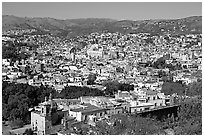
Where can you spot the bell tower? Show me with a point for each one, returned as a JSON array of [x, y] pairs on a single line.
[[48, 117], [47, 114]]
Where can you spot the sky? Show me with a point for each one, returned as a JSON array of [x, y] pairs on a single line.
[[113, 10]]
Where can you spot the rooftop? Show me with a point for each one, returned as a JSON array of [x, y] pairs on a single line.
[[88, 108]]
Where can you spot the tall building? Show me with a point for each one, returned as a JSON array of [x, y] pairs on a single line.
[[73, 54]]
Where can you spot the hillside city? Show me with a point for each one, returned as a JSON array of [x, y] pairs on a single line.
[[97, 83]]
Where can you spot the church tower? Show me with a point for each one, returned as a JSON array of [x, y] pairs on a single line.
[[48, 117], [41, 116]]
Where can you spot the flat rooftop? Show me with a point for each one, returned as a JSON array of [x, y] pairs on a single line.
[[88, 108]]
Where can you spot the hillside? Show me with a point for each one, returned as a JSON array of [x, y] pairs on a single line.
[[74, 27]]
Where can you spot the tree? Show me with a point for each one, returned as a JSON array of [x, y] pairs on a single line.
[[55, 119], [91, 79], [111, 87], [126, 87], [123, 124], [71, 92], [18, 98], [4, 111], [194, 89], [161, 73], [169, 88], [149, 40], [48, 53], [119, 69], [160, 63], [9, 52], [190, 118], [12, 51], [28, 132], [17, 123]]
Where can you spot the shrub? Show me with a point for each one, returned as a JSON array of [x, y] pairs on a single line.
[[28, 132], [18, 123]]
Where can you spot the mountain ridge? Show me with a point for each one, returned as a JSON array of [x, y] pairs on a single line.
[[81, 26]]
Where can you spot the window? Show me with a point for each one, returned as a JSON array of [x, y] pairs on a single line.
[[85, 118], [146, 108], [153, 98], [47, 110]]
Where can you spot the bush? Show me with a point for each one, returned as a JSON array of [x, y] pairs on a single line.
[[55, 119], [190, 118], [18, 123], [28, 132], [169, 88], [195, 89], [18, 98]]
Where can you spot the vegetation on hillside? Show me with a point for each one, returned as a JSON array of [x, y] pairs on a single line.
[[11, 51], [72, 92], [193, 89], [18, 98], [188, 122], [77, 27]]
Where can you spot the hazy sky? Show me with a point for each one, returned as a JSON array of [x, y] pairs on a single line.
[[114, 10]]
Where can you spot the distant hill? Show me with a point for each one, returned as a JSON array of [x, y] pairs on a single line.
[[74, 27]]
